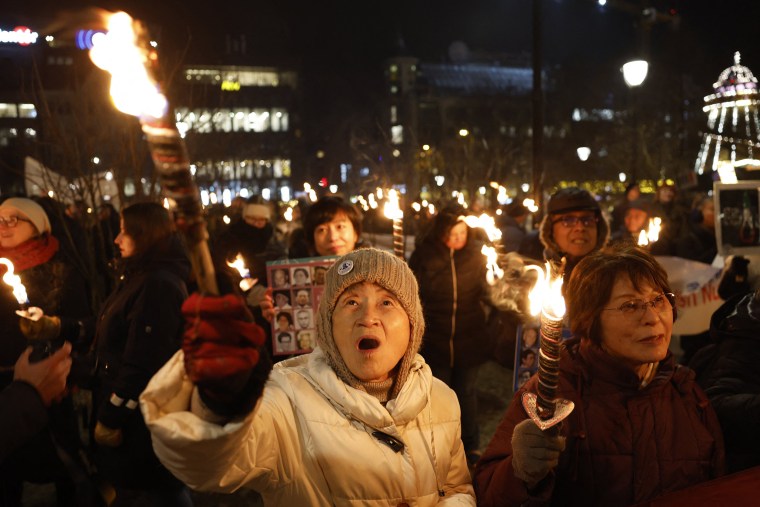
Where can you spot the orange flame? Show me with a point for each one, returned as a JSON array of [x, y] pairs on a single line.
[[391, 209], [133, 90], [546, 295], [14, 281], [239, 264]]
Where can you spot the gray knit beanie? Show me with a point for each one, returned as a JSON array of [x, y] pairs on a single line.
[[389, 272]]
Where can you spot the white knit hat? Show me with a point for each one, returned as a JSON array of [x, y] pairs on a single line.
[[30, 210], [389, 272], [257, 211]]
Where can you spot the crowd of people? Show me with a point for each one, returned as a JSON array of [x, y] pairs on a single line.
[[214, 392]]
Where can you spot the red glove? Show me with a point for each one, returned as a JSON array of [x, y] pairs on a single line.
[[220, 342]]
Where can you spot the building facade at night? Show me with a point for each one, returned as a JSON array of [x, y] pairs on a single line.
[[239, 123]]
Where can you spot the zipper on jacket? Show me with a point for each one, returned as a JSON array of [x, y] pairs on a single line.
[[454, 307]]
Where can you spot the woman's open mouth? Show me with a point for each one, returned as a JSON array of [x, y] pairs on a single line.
[[369, 343]]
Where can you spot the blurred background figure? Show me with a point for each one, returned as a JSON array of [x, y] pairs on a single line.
[[632, 193], [635, 220], [251, 236], [331, 226], [512, 225], [451, 273]]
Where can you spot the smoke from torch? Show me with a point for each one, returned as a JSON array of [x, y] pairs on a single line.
[[124, 52]]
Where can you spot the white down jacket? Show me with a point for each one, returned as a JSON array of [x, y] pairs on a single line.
[[309, 441]]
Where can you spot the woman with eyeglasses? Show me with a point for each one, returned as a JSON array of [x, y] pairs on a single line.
[[641, 426], [55, 285], [572, 228]]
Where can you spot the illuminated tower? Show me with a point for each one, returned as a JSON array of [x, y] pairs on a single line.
[[732, 139]]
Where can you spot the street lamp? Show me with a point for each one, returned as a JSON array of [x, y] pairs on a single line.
[[634, 74]]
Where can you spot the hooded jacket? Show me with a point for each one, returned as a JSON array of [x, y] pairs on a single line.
[[310, 440], [624, 445], [452, 285]]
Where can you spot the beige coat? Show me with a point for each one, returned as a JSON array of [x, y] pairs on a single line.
[[309, 441]]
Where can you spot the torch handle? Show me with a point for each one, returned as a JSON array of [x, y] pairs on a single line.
[[173, 164], [398, 238], [548, 366]]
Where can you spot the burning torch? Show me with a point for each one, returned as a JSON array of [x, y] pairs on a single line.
[[544, 408], [246, 281], [393, 211], [41, 331], [124, 51]]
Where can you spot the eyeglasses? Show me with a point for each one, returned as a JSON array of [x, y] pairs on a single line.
[[635, 308], [571, 221], [12, 221]]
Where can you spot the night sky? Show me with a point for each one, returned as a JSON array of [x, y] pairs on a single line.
[[351, 39]]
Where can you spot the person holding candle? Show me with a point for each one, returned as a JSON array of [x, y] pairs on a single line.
[[451, 272], [53, 283], [641, 426], [358, 421]]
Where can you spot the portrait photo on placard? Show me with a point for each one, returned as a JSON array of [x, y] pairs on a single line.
[[283, 321], [302, 298], [305, 339], [281, 299], [304, 318], [300, 276], [280, 278], [284, 343]]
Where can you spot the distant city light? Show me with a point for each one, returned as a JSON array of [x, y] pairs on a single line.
[[285, 194], [266, 194], [109, 176], [227, 197], [439, 180], [244, 193], [583, 153], [425, 147], [333, 189], [226, 219], [602, 2], [622, 177], [525, 187], [464, 132]]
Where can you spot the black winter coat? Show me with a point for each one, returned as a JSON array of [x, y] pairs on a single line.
[[139, 329], [733, 380], [452, 285], [55, 286], [257, 246]]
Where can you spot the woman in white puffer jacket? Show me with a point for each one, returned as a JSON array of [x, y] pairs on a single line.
[[359, 421]]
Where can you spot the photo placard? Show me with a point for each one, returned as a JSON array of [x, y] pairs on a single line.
[[297, 286]]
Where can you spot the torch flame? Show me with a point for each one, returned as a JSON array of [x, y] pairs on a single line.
[[391, 209], [655, 225], [494, 271], [643, 238], [239, 264], [14, 281], [133, 90], [485, 222], [546, 294]]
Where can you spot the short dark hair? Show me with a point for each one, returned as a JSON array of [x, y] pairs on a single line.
[[302, 270], [149, 225], [592, 280], [286, 315], [324, 210]]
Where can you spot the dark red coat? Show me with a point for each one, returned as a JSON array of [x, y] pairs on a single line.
[[624, 445]]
